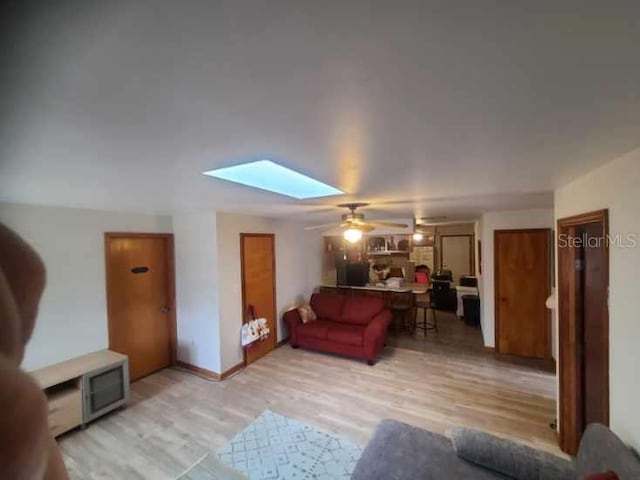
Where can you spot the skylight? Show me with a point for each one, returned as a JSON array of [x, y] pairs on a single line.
[[267, 175]]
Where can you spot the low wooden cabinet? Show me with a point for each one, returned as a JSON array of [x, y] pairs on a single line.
[[65, 410], [67, 386]]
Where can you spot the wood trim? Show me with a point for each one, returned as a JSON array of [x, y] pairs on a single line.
[[210, 374], [569, 372], [584, 218], [171, 283], [275, 297], [496, 293], [136, 235], [568, 380], [231, 371], [472, 242]]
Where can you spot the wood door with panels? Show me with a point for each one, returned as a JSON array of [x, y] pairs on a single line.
[[456, 254], [583, 284], [258, 270], [522, 286], [140, 299]]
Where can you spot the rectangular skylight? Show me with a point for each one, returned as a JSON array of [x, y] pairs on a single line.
[[267, 175]]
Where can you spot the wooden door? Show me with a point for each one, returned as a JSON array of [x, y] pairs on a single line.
[[522, 286], [456, 255], [595, 351], [140, 300], [583, 281], [258, 260]]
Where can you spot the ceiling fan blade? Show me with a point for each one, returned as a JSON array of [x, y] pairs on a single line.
[[326, 226], [388, 224], [424, 228]]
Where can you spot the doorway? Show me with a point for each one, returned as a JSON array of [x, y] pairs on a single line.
[[258, 267], [583, 284], [522, 286], [140, 300], [456, 254]]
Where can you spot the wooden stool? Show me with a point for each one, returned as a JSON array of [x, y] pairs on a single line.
[[401, 306]]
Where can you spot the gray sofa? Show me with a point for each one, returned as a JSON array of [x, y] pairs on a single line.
[[401, 452]]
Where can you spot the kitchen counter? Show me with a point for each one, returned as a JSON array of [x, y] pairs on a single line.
[[383, 291], [406, 287]]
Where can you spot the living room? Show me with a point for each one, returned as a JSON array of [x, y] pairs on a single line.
[[473, 120]]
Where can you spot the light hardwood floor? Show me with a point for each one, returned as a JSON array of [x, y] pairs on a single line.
[[452, 332], [176, 417]]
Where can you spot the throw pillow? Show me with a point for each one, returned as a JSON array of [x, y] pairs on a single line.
[[306, 313], [508, 458], [603, 476]]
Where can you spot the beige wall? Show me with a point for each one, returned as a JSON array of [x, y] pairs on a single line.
[[616, 186], [298, 272], [490, 222], [198, 328], [209, 287], [72, 319]]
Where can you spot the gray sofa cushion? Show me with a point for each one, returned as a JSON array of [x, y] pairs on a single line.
[[398, 451], [601, 450], [509, 458]]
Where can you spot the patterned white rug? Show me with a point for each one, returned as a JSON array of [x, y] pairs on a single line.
[[274, 447]]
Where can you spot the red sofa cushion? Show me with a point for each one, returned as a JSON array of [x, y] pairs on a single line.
[[327, 306], [360, 310], [609, 475], [346, 334], [316, 329]]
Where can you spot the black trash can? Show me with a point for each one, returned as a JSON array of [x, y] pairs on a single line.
[[471, 309]]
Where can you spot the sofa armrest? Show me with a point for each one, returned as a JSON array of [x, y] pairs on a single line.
[[510, 458], [376, 333], [292, 319]]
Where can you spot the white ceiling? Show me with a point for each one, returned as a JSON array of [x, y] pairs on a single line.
[[425, 108]]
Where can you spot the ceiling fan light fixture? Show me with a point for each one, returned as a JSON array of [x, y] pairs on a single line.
[[352, 235]]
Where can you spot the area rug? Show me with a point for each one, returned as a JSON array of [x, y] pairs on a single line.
[[274, 447]]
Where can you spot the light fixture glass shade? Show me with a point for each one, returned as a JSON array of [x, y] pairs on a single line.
[[418, 236], [352, 235]]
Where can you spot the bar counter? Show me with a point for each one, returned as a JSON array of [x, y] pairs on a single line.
[[387, 293], [406, 287]]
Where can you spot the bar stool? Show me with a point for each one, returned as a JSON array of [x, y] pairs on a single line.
[[426, 325], [438, 289], [401, 305]]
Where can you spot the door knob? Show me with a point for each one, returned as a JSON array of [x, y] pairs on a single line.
[[164, 309]]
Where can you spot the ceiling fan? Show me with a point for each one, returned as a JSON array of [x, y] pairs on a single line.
[[354, 223]]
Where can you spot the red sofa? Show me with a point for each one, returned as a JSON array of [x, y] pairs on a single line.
[[351, 326]]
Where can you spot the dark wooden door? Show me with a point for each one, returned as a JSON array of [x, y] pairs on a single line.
[[522, 286], [257, 253], [583, 280], [594, 350], [139, 279]]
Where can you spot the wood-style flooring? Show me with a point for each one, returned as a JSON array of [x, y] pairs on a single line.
[[175, 417], [452, 332]]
